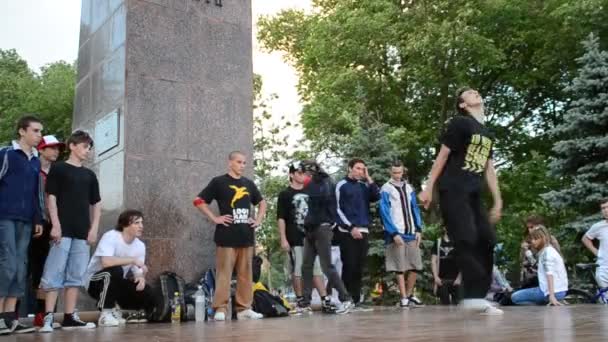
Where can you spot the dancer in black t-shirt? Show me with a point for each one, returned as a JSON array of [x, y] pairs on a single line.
[[464, 160]]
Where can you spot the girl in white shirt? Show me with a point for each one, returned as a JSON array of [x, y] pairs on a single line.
[[552, 276]]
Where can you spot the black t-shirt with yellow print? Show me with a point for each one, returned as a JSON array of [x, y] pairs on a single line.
[[470, 145], [234, 197]]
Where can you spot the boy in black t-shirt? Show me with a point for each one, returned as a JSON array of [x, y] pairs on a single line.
[[234, 234], [292, 208], [73, 193], [446, 276], [464, 160]]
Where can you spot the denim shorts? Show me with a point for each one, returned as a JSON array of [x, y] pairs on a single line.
[[66, 264], [15, 239]]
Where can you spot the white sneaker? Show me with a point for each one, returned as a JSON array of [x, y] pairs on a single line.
[[47, 325], [107, 319], [404, 303], [117, 313], [474, 304], [345, 307], [249, 314], [491, 311], [219, 316]]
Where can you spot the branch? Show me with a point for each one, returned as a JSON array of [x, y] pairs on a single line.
[[522, 115]]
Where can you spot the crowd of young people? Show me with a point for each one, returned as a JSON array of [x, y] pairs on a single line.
[[50, 211]]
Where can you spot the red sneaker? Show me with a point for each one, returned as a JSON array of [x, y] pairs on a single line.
[[39, 319]]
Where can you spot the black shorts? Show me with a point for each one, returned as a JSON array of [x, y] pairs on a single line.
[[39, 250]]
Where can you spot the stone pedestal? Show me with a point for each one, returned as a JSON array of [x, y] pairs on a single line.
[[165, 86]]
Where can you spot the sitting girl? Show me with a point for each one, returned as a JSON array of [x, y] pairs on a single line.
[[552, 276]]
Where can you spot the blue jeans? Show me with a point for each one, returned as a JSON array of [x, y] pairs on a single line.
[[15, 239], [66, 264], [532, 296]]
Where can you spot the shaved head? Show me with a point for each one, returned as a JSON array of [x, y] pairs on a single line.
[[234, 154]]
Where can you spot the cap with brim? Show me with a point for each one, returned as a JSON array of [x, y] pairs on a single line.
[[296, 166], [49, 141]]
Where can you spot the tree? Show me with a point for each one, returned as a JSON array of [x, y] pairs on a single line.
[[401, 61], [269, 150], [17, 83], [48, 94], [582, 151]]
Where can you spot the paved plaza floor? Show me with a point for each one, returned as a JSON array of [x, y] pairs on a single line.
[[432, 323]]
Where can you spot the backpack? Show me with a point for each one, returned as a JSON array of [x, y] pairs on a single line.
[[267, 304], [169, 283]]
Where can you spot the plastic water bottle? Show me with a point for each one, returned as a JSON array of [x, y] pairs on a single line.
[[199, 305], [176, 309]]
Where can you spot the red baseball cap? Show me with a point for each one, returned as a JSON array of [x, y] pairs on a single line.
[[49, 141]]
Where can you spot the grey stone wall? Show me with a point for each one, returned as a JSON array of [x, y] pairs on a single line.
[[179, 72]]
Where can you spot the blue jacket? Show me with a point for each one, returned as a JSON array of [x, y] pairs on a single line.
[[353, 198], [399, 211], [20, 195]]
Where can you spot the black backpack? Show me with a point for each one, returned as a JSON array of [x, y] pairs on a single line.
[[168, 284], [268, 305]]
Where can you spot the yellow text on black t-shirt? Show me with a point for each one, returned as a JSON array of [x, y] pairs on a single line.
[[478, 153]]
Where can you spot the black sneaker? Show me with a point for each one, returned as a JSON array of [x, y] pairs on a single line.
[[4, 329], [73, 322], [19, 328], [137, 317], [328, 307]]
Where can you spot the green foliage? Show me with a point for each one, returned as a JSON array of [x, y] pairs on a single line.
[[582, 150], [401, 62], [48, 94], [269, 150], [391, 68]]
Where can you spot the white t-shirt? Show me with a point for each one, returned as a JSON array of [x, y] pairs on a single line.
[[551, 262], [600, 231], [113, 244]]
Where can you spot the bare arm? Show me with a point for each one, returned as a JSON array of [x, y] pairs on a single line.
[[434, 266], [96, 214], [552, 299], [458, 278], [111, 261], [282, 229], [204, 208], [589, 244], [56, 230], [283, 235], [492, 181], [426, 196], [261, 212], [53, 211]]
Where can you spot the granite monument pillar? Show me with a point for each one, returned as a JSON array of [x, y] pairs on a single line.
[[165, 87]]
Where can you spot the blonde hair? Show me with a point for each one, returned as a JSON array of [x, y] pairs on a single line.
[[540, 232]]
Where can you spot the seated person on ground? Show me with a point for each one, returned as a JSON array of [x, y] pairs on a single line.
[[528, 257], [117, 270], [552, 276]]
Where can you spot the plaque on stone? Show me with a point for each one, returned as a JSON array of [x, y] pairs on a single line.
[[106, 133]]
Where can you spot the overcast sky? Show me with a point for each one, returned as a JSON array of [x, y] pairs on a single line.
[[46, 31]]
